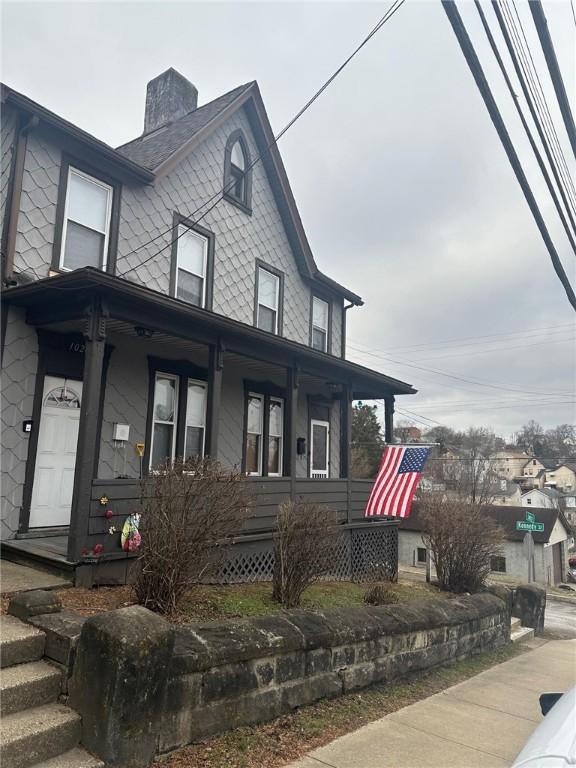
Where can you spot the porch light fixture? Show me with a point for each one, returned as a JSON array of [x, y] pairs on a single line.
[[143, 333]]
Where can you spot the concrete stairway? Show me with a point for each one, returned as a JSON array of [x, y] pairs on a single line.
[[518, 632], [36, 730]]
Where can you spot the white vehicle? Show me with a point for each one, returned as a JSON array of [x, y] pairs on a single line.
[[553, 743]]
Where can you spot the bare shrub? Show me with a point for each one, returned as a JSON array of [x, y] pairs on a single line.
[[462, 538], [304, 549], [190, 511], [380, 594]]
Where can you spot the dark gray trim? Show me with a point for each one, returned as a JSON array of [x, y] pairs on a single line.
[[389, 418], [80, 164], [214, 398], [266, 390], [4, 323], [291, 410], [177, 220], [244, 204], [280, 275], [326, 299], [184, 370], [57, 299], [90, 143]]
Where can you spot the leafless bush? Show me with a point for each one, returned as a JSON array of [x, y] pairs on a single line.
[[462, 538], [380, 594], [190, 511], [304, 549]]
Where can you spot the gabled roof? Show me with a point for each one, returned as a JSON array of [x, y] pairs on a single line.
[[153, 148], [505, 517]]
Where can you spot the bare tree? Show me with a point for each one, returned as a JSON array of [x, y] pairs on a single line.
[[304, 548], [462, 539], [190, 511]]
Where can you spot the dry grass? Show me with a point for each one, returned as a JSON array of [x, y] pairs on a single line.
[[211, 603]]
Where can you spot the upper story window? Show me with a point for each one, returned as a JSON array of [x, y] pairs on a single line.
[[237, 172], [320, 324], [86, 225], [268, 309], [192, 263]]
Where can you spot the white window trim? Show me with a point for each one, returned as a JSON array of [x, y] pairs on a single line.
[[106, 232], [319, 327], [174, 423], [280, 436], [267, 306], [319, 473], [204, 265], [261, 398], [203, 384]]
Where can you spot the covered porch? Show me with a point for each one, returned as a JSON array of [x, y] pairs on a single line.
[[116, 340]]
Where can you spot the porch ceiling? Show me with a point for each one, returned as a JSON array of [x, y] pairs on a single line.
[[60, 303]]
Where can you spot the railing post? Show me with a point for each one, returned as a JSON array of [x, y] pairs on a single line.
[[95, 340]]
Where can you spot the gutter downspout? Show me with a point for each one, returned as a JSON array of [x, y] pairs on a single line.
[[343, 331], [14, 197]]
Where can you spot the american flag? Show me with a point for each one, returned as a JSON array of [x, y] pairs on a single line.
[[400, 470]]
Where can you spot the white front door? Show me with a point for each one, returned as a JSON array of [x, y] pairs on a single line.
[[56, 454], [319, 448]]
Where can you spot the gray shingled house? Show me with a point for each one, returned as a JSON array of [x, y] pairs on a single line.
[[142, 314]]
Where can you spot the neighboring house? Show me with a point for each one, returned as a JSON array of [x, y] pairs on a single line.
[[506, 493], [542, 497], [508, 463], [561, 477], [550, 546], [533, 475], [143, 321]]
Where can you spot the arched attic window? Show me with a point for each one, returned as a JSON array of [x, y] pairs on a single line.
[[237, 172]]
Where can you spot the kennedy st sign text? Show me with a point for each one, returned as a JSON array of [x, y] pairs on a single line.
[[529, 524]]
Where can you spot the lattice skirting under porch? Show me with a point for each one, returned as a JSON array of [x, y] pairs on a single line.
[[363, 553]]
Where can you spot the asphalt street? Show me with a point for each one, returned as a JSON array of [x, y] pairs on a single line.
[[560, 618]]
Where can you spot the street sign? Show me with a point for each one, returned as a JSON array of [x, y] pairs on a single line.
[[529, 524]]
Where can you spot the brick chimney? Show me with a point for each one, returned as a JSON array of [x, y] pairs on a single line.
[[168, 97]]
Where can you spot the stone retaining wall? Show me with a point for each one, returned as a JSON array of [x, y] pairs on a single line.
[[230, 674]]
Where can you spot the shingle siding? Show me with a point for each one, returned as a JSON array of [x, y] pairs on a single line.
[[7, 147], [18, 381], [37, 218]]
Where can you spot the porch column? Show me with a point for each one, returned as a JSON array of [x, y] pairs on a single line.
[[389, 419], [95, 338], [291, 416], [346, 431], [215, 370]]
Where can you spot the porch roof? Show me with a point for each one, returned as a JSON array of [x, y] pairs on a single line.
[[65, 297]]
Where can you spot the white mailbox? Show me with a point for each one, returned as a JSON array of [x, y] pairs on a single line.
[[121, 432]]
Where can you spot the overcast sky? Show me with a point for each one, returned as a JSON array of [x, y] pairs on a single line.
[[403, 187]]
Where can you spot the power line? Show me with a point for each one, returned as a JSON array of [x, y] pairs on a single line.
[[555, 75], [479, 383], [528, 132], [494, 350], [218, 196], [527, 73], [525, 333], [482, 84]]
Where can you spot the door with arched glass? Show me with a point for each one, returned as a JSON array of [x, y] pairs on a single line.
[[56, 453]]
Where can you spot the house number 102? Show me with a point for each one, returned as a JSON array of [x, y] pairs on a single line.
[[76, 346]]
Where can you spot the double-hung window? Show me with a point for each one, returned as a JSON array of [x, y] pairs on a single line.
[[320, 319], [178, 418], [267, 300], [164, 419], [264, 435], [191, 266], [86, 224]]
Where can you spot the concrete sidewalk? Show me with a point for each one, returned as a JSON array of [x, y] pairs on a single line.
[[482, 722]]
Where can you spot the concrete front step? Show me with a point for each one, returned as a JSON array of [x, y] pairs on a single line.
[[521, 634], [38, 734], [19, 642], [75, 758], [28, 685]]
